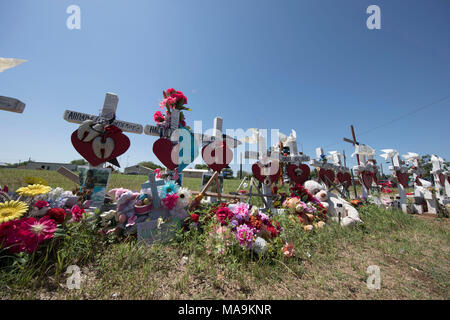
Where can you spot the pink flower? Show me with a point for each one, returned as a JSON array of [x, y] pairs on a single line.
[[12, 235], [170, 201], [42, 229], [244, 234], [41, 204], [223, 213], [33, 232], [159, 117], [241, 211], [158, 173], [288, 250], [77, 213]]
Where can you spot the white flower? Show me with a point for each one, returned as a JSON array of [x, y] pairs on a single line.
[[184, 196], [55, 194], [108, 215], [260, 246]]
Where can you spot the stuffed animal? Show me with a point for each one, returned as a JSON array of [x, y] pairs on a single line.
[[330, 201]]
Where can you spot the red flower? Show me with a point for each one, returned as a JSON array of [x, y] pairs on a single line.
[[77, 213], [223, 213], [36, 231], [159, 117], [5, 189], [26, 234], [112, 129], [170, 91], [40, 204], [195, 217], [274, 189], [13, 236], [57, 214]]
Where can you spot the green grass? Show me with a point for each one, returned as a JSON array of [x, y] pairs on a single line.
[[14, 178]]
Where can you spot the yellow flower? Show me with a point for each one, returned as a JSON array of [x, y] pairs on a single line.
[[11, 210], [33, 190], [35, 180]]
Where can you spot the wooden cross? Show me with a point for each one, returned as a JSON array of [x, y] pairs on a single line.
[[354, 142], [11, 104], [108, 112], [152, 184]]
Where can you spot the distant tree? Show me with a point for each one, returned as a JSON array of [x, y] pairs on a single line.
[[425, 162], [79, 162], [201, 166], [150, 164]]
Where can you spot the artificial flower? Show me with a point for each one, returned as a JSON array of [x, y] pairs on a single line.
[[170, 200], [38, 231], [260, 246], [77, 213], [169, 188], [159, 117], [288, 250], [35, 180], [112, 129], [158, 173], [241, 211], [57, 214], [184, 196], [41, 204], [195, 217], [13, 236], [223, 213], [244, 234], [33, 190], [11, 210]]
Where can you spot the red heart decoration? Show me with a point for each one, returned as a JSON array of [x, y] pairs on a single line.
[[375, 177], [121, 145], [162, 148], [441, 179], [418, 181], [209, 156], [326, 173], [345, 179], [402, 178], [298, 179], [367, 179], [257, 172]]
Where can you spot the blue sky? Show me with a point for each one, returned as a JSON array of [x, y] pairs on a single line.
[[308, 65]]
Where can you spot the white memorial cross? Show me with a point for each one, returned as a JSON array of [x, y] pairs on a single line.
[[11, 104], [108, 112], [420, 191], [365, 153], [152, 184], [437, 170], [393, 155], [262, 155]]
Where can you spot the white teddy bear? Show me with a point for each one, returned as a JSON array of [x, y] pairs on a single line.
[[330, 201]]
